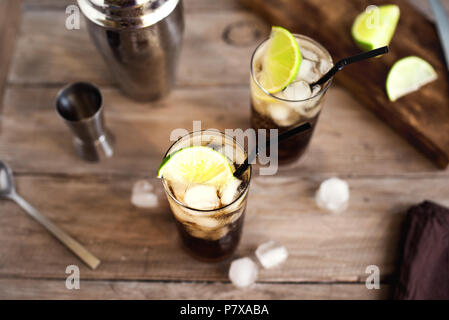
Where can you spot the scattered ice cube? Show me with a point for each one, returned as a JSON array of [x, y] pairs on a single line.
[[142, 186], [229, 192], [333, 195], [202, 197], [243, 272], [142, 195], [282, 114], [271, 254], [299, 90], [325, 66]]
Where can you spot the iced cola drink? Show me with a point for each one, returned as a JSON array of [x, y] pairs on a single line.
[[209, 217], [294, 105]]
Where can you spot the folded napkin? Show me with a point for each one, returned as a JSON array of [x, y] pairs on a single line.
[[424, 271]]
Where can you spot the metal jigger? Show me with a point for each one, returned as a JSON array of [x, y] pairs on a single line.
[[80, 105]]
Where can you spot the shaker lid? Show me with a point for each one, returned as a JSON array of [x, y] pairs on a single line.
[[121, 14]]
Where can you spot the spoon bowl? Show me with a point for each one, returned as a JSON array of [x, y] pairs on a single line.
[[7, 188]]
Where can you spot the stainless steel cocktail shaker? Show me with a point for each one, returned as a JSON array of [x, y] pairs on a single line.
[[140, 41]]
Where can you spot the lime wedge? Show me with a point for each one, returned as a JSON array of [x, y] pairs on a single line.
[[196, 165], [281, 62], [408, 75], [375, 27]]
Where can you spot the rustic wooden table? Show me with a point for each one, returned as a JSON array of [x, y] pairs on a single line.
[[140, 253]]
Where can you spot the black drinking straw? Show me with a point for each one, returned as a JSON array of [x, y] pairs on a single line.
[[283, 136], [343, 62]]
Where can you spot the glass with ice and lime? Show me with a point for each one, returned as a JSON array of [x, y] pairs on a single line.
[[282, 69], [207, 201]]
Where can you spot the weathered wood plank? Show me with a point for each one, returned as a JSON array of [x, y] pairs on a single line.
[[92, 290], [10, 12], [349, 140], [49, 53], [142, 244]]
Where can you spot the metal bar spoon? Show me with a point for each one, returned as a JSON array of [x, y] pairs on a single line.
[[8, 191]]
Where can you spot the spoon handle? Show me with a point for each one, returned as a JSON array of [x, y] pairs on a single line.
[[67, 240]]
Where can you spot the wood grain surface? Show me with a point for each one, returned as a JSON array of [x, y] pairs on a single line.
[[51, 289], [141, 244], [10, 12], [139, 248], [422, 117]]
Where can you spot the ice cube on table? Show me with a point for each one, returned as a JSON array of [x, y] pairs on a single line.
[[142, 195], [333, 195], [228, 192], [243, 272], [271, 254], [308, 71], [202, 197]]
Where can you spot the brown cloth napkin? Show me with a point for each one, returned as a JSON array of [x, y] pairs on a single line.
[[424, 271]]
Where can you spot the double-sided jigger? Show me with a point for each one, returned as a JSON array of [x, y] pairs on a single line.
[[80, 105]]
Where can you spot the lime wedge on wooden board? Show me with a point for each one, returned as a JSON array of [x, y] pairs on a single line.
[[408, 75], [375, 27]]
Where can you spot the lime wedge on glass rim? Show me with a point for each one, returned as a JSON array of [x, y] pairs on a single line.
[[375, 27], [196, 165], [408, 75], [281, 62]]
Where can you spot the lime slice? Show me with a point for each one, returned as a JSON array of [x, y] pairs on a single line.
[[196, 165], [408, 75], [375, 27], [281, 62]]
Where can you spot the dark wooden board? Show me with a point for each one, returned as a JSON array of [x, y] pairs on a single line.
[[422, 117]]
